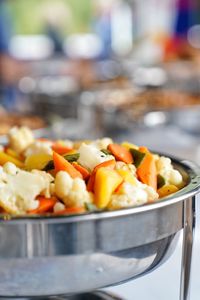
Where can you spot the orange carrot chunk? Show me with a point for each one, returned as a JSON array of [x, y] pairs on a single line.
[[45, 205], [147, 171], [106, 164], [121, 153], [60, 149], [85, 173], [143, 149], [61, 164]]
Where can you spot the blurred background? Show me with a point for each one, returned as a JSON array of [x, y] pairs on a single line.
[[129, 69]]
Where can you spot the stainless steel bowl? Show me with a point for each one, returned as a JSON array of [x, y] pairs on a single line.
[[43, 256]]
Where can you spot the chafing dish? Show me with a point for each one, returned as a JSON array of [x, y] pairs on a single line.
[[46, 256]]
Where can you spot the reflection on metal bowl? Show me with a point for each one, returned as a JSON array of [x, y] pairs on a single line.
[[43, 256]]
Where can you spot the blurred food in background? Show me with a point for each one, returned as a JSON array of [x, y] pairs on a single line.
[[95, 68]]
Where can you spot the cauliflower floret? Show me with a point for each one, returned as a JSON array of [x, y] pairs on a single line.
[[73, 192], [130, 196], [133, 195], [90, 156], [10, 168], [3, 174], [151, 193], [163, 163], [20, 138], [19, 192], [78, 195], [165, 168], [172, 177], [63, 184], [102, 143], [39, 148], [58, 207], [48, 179], [1, 148], [120, 165]]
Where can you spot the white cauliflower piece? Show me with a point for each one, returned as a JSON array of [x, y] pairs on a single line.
[[48, 179], [151, 193], [10, 168], [19, 192], [130, 196], [20, 138], [39, 148], [172, 177], [133, 195], [3, 175], [58, 207], [78, 195], [63, 184], [120, 165], [163, 163], [102, 143], [73, 192], [1, 148], [90, 156], [165, 168]]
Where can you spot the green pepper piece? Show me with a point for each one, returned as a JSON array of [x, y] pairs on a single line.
[[138, 156], [72, 157], [106, 151], [49, 166], [160, 181]]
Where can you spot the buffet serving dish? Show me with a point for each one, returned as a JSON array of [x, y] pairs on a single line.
[[45, 256]]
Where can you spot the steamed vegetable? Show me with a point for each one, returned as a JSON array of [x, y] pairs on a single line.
[[4, 158], [147, 171], [120, 153], [160, 181], [106, 164], [69, 157], [106, 181], [61, 164], [65, 177], [45, 205], [60, 148], [166, 190], [37, 161], [138, 156]]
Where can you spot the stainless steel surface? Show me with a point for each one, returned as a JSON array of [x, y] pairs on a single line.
[[75, 254], [188, 238]]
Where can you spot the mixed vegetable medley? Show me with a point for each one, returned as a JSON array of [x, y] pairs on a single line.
[[40, 176]]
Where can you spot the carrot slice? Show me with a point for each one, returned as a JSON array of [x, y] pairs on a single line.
[[45, 205], [85, 173], [60, 149], [71, 210], [106, 164], [61, 164], [147, 171], [143, 149], [121, 153]]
